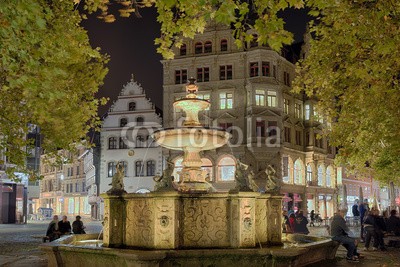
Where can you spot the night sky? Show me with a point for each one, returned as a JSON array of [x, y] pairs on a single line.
[[130, 44]]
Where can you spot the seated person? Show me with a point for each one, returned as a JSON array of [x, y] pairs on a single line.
[[341, 233], [64, 226], [77, 226], [53, 232], [393, 223]]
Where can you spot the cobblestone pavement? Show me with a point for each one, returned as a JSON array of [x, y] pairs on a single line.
[[19, 247], [19, 243]]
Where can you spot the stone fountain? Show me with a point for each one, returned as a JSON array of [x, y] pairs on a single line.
[[187, 222]]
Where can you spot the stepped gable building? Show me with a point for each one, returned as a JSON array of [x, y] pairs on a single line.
[[125, 137], [249, 90]]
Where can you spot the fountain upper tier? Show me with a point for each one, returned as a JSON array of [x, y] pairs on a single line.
[[192, 138]]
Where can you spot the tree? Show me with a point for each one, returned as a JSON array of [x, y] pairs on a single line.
[[49, 75], [353, 69]]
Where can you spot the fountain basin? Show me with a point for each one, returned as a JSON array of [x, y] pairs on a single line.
[[191, 138], [69, 251]]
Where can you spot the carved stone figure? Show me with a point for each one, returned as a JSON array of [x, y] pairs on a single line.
[[165, 182], [273, 184], [117, 183]]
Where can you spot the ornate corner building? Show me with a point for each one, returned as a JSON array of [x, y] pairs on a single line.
[[249, 90]]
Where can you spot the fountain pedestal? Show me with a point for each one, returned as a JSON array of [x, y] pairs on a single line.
[[171, 220]]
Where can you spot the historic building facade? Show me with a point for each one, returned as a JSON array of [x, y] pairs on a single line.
[[249, 90], [126, 138]]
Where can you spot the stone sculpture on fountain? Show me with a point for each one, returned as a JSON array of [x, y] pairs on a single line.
[[117, 183]]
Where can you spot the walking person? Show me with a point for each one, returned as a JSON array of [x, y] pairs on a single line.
[[363, 208], [369, 228], [52, 232], [64, 226], [312, 218], [77, 226], [340, 232], [356, 212]]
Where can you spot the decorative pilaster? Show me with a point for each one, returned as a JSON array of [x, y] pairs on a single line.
[[114, 220], [274, 220]]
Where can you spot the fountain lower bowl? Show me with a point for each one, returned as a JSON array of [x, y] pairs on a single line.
[[73, 251], [191, 138]]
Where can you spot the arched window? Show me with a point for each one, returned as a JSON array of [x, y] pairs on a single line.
[[254, 43], [309, 173], [207, 165], [132, 106], [111, 169], [226, 169], [320, 175], [122, 144], [298, 172], [139, 121], [198, 48], [208, 47], [286, 163], [138, 168], [125, 165], [140, 141], [177, 168], [112, 143], [150, 167], [182, 50], [328, 179], [224, 45], [123, 122]]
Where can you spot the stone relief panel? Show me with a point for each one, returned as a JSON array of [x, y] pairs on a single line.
[[261, 220], [106, 221], [140, 222], [205, 223], [275, 220], [247, 222], [165, 223]]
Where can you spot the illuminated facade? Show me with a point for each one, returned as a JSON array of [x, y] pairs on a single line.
[[249, 91]]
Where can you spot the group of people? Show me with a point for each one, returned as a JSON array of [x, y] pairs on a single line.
[[296, 222], [372, 226], [58, 228]]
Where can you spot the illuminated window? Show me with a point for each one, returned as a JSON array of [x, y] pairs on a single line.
[[307, 112], [265, 69], [271, 99], [198, 48], [297, 110], [309, 173], [208, 47], [203, 74], [112, 143], [320, 175], [286, 106], [253, 69], [111, 169], [225, 100], [180, 76], [225, 72], [260, 97], [131, 106], [226, 169], [298, 172], [182, 50], [329, 176], [224, 45]]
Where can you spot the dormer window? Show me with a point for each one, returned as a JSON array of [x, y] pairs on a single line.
[[208, 47], [224, 45], [182, 50], [132, 106], [198, 48]]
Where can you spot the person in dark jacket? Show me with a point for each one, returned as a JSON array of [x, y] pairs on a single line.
[[363, 208], [77, 226], [379, 228], [300, 224], [312, 217], [369, 228], [354, 209], [64, 226], [53, 232], [341, 233], [393, 223]]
